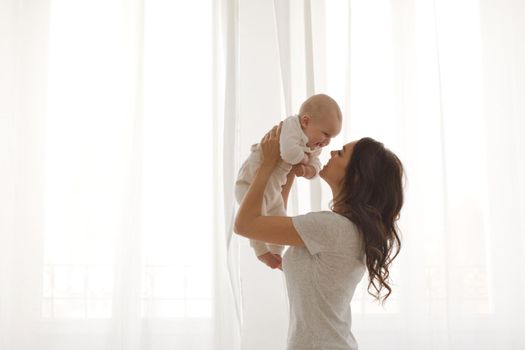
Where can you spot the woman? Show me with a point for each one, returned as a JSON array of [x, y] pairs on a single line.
[[330, 250]]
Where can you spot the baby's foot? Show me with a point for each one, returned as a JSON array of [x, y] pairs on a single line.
[[270, 259]]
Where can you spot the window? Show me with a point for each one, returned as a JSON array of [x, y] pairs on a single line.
[[91, 144]]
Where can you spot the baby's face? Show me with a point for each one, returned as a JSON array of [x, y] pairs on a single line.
[[320, 131]]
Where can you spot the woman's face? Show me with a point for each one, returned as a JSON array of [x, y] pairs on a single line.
[[334, 171]]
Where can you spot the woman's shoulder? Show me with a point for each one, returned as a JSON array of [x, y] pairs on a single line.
[[330, 219], [329, 215], [331, 230]]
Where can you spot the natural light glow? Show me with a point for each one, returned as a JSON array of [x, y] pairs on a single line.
[[89, 132], [177, 203]]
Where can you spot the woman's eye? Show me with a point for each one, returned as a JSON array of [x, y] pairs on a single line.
[[339, 153]]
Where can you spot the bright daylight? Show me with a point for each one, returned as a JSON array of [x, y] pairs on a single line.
[[251, 175]]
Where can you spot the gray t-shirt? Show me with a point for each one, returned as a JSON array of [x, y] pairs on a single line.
[[321, 278]]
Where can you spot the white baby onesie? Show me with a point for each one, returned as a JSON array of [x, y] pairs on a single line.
[[293, 147]]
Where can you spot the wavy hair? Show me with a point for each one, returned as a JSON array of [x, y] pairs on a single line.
[[371, 197]]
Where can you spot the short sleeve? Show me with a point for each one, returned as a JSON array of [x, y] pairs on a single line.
[[315, 232]]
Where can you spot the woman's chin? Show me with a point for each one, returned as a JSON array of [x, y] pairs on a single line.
[[321, 173]]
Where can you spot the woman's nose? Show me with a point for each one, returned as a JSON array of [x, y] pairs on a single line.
[[332, 153]]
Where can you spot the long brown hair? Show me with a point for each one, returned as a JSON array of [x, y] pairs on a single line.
[[371, 197]]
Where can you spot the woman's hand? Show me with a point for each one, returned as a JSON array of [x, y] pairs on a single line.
[[270, 147]]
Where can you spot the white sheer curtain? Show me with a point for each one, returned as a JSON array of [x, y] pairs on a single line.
[[441, 83], [108, 237], [110, 109]]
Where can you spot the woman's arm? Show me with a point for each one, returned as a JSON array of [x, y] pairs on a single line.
[[249, 222]]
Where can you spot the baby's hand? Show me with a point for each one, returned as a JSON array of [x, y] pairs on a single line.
[[306, 171], [306, 159], [272, 260]]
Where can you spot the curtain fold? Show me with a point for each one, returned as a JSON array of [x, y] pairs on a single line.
[[227, 107], [25, 28], [84, 197], [228, 312]]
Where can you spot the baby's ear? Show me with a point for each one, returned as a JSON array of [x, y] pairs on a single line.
[[304, 119]]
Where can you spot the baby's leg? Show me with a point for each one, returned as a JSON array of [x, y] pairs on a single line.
[[277, 210], [241, 188]]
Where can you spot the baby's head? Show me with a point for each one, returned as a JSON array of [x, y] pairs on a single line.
[[320, 119]]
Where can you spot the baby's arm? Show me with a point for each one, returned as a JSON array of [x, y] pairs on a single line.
[[304, 170]]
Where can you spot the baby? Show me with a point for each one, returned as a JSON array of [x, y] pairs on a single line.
[[301, 140]]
